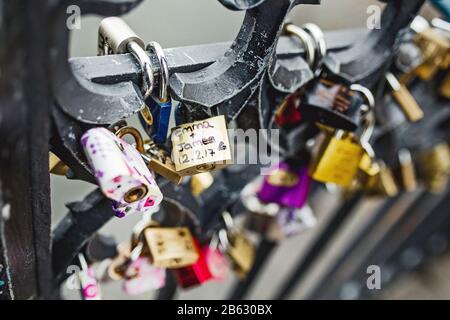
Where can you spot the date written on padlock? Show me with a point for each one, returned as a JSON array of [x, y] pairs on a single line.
[[171, 247], [201, 146]]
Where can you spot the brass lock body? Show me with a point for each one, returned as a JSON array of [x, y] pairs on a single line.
[[241, 252], [201, 146], [434, 167], [171, 247]]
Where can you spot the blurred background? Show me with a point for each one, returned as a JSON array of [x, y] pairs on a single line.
[[175, 23]]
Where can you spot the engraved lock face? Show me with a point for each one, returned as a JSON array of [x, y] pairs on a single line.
[[286, 185], [201, 146], [331, 102], [171, 247], [242, 253], [337, 161]]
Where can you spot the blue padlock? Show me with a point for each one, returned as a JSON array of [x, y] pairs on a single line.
[[161, 106]]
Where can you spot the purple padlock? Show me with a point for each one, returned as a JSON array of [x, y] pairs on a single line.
[[286, 186]]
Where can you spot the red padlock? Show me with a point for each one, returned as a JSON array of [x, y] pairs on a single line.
[[195, 274]]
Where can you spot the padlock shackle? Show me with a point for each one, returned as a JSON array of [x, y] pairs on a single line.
[[135, 134], [156, 48]]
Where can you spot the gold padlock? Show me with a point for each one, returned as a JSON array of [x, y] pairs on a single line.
[[386, 182], [56, 166], [407, 170], [405, 99], [435, 55], [201, 146], [444, 89], [200, 182], [343, 155], [434, 167], [156, 159], [337, 160], [238, 247], [171, 247]]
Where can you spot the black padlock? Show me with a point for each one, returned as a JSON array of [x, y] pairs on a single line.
[[331, 101]]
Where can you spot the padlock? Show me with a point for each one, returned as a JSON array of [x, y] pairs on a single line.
[[261, 218], [90, 289], [171, 247], [56, 166], [201, 146], [120, 171], [384, 183], [195, 274], [337, 160], [286, 186], [404, 98], [340, 156], [116, 37], [407, 170], [217, 262], [238, 247], [444, 89], [435, 55], [293, 221], [141, 276], [200, 182], [434, 167], [288, 113], [331, 102], [161, 106], [156, 158]]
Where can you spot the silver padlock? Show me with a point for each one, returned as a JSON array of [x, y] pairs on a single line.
[[115, 36]]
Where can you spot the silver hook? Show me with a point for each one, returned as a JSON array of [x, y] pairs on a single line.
[[164, 69], [319, 40], [369, 117], [146, 66], [306, 39]]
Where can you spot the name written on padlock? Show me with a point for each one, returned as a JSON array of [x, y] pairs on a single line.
[[201, 146]]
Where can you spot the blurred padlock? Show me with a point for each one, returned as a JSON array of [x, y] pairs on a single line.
[[156, 158], [405, 99], [200, 182], [332, 102], [407, 170], [120, 171], [201, 146], [90, 289], [286, 186], [434, 167], [141, 276], [171, 247], [340, 156], [238, 247], [195, 274]]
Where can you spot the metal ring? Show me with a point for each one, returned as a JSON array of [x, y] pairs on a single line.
[[306, 39], [319, 39], [148, 78], [370, 99], [164, 69]]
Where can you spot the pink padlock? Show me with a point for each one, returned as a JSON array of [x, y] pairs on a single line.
[[141, 276], [121, 172], [217, 262], [90, 289]]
